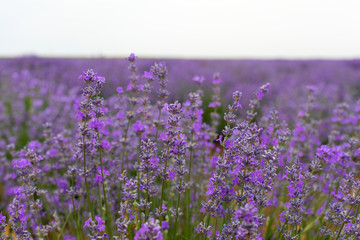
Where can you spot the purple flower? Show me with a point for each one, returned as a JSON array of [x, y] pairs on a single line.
[[22, 163], [34, 145], [154, 160], [260, 95], [165, 225], [199, 79], [119, 90], [89, 76], [105, 144], [172, 175], [101, 79], [216, 79], [100, 224], [69, 237], [98, 179], [262, 91], [87, 223], [214, 104], [131, 58], [148, 76], [139, 128], [2, 218], [150, 230], [129, 87], [96, 125]]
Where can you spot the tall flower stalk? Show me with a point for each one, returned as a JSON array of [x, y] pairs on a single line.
[[85, 115], [159, 72], [133, 88]]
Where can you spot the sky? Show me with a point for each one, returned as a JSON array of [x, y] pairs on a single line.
[[289, 29]]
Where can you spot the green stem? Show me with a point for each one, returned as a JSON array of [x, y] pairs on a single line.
[[282, 229], [101, 202], [163, 180], [357, 211], [63, 227], [76, 217], [124, 146], [216, 226], [157, 128], [138, 181], [107, 214], [188, 191], [78, 231], [147, 196], [86, 183], [191, 156], [207, 224], [177, 213], [342, 226]]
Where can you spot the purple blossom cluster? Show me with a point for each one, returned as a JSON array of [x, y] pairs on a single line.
[[140, 161]]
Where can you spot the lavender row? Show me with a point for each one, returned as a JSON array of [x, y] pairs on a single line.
[[338, 80]]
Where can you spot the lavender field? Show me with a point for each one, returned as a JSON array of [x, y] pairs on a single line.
[[179, 149]]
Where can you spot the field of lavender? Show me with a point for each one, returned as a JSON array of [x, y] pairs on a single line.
[[183, 149]]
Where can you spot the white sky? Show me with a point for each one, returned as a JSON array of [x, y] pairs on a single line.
[[181, 28]]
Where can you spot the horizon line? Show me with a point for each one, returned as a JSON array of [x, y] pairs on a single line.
[[175, 57]]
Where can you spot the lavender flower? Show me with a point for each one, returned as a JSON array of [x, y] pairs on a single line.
[[149, 230]]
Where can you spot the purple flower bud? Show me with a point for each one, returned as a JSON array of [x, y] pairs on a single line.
[[139, 128], [89, 76], [2, 218], [199, 79], [148, 76], [131, 58], [119, 90]]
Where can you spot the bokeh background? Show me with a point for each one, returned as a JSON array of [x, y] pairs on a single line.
[[290, 44]]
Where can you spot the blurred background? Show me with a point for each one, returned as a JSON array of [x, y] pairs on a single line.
[[223, 29], [47, 44]]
